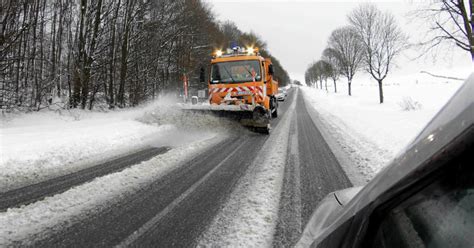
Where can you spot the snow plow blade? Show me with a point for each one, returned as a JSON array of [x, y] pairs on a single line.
[[255, 118]]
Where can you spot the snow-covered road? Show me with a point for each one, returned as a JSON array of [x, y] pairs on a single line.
[[155, 175], [218, 184]]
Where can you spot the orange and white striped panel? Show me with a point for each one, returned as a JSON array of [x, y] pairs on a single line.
[[257, 90]]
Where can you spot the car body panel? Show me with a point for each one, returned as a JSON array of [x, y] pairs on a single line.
[[326, 212], [344, 196]]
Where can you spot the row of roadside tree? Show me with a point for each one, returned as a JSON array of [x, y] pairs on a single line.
[[372, 41], [108, 53]]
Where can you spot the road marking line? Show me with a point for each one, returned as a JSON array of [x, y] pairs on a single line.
[[149, 224]]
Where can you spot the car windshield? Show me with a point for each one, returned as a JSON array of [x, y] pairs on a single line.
[[210, 123], [235, 72]]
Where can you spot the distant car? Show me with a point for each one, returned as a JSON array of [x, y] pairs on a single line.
[[285, 92], [424, 198], [281, 95]]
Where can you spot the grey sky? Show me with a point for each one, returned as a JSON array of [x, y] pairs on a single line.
[[296, 31]]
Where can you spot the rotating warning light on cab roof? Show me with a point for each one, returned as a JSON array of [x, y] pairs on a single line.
[[237, 51]]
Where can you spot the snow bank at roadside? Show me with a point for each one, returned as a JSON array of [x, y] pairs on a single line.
[[249, 217], [18, 226], [42, 145], [372, 134]]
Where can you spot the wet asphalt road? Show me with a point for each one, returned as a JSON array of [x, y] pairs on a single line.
[[174, 210]]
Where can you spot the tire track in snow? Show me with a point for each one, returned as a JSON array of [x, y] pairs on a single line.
[[38, 191], [289, 227], [249, 217], [321, 172], [149, 225]]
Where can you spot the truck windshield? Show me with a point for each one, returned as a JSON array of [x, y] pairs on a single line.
[[236, 72]]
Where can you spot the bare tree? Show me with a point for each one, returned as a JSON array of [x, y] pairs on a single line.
[[230, 31], [312, 75], [317, 72], [382, 40], [334, 71], [307, 79], [451, 22], [346, 46], [324, 72]]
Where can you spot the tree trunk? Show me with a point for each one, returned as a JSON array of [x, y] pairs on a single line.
[[89, 57], [380, 91], [33, 57], [79, 61], [124, 55], [112, 59], [40, 86], [335, 88], [349, 88], [53, 49], [326, 84]]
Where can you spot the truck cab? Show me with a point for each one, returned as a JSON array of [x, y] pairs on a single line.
[[242, 77]]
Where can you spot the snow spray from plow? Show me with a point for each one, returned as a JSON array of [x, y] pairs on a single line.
[[255, 118], [167, 113]]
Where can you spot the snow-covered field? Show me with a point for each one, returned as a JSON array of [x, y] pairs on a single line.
[[42, 145], [372, 134]]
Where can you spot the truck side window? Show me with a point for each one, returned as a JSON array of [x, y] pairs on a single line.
[[440, 215]]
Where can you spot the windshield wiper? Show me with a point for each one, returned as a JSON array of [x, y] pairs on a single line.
[[250, 73], [228, 73]]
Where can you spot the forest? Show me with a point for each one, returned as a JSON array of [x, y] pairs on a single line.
[[108, 53]]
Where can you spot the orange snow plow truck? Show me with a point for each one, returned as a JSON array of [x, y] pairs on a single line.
[[241, 85]]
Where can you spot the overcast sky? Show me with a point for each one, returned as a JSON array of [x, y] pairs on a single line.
[[296, 32]]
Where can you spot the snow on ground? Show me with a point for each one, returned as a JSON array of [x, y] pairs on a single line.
[[372, 134], [42, 145], [249, 217], [19, 226]]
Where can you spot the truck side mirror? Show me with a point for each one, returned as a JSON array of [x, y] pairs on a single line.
[[202, 75], [270, 69]]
